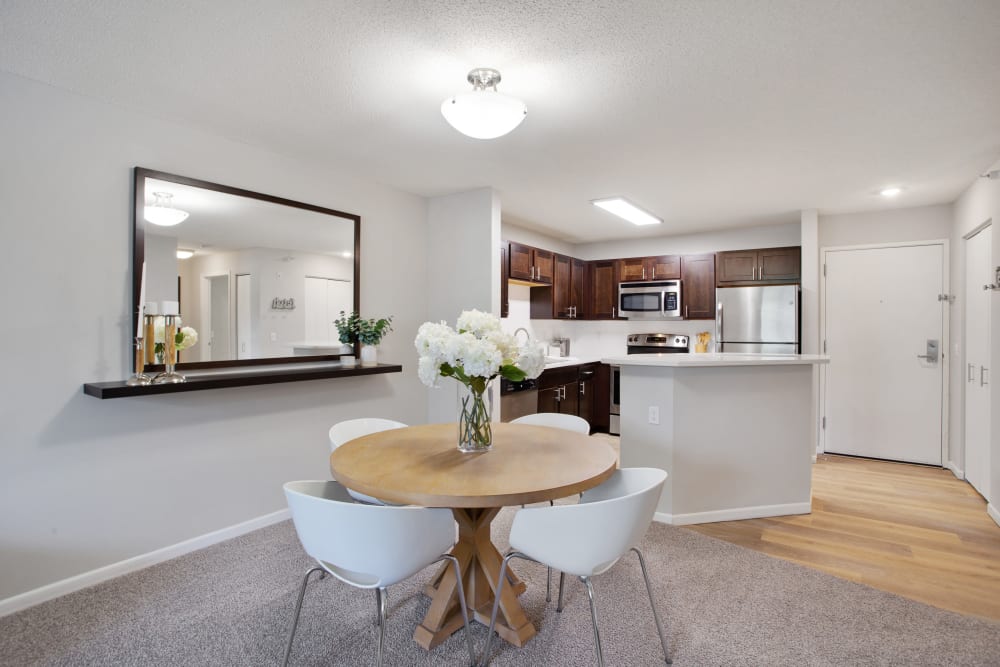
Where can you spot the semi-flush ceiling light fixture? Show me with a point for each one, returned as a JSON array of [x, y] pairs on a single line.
[[890, 191], [162, 213], [623, 208], [185, 254], [482, 113]]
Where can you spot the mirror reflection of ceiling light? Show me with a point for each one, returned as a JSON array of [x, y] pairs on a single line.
[[891, 191], [185, 254], [345, 254], [625, 209], [482, 113], [162, 213]]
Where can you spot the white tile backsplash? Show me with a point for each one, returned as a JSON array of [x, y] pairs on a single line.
[[592, 338]]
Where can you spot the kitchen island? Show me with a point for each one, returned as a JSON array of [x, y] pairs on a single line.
[[735, 432]]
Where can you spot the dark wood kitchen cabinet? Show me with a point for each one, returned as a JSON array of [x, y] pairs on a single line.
[[566, 298], [530, 264], [575, 390], [763, 266], [660, 267], [603, 289], [698, 276]]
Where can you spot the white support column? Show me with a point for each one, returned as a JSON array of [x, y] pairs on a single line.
[[811, 269]]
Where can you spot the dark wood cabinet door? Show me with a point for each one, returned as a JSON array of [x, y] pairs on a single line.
[[779, 264], [544, 265], [736, 266], [578, 291], [664, 267], [548, 399], [600, 409], [698, 274], [504, 289], [562, 287], [569, 403], [632, 268], [520, 262], [585, 397], [604, 289]]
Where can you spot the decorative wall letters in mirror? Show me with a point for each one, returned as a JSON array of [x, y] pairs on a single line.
[[265, 278]]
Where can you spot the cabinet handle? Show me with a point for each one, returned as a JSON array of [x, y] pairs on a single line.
[[685, 311], [972, 373], [654, 273], [644, 273], [982, 376], [753, 272], [612, 312], [582, 391]]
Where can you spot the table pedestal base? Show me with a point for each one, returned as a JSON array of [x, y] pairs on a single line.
[[480, 563]]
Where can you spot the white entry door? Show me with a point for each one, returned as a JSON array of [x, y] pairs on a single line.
[[244, 316], [977, 360], [882, 398]]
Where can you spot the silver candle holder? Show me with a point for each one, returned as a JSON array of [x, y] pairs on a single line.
[[169, 374], [139, 377]]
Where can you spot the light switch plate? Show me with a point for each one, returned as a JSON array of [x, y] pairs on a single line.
[[654, 414]]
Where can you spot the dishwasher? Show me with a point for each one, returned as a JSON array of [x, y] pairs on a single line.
[[517, 399]]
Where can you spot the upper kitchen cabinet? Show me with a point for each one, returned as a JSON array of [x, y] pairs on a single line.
[[504, 289], [698, 277], [603, 289], [532, 265], [567, 297], [759, 267], [661, 267]]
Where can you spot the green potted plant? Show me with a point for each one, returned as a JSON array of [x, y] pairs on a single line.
[[353, 330]]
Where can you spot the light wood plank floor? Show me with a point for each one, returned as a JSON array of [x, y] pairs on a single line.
[[910, 530]]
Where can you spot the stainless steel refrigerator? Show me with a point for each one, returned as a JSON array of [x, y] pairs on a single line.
[[758, 319]]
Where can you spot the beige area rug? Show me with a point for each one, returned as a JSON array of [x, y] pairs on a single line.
[[231, 604]]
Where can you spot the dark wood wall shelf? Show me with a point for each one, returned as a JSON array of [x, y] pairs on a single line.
[[199, 381]]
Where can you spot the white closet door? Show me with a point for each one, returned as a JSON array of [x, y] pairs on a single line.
[[977, 361], [244, 323], [315, 310], [881, 307]]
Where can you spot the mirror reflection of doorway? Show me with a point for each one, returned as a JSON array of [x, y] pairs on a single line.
[[218, 317], [325, 298], [244, 317]]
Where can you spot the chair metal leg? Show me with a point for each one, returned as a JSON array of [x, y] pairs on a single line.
[[298, 609], [382, 600], [483, 659], [548, 584], [593, 617], [378, 606], [562, 582], [656, 616], [462, 604]]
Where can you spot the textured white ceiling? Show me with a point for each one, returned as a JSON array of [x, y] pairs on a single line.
[[708, 113]]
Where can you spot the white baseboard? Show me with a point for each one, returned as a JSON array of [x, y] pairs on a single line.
[[994, 513], [80, 581], [955, 470], [734, 514]]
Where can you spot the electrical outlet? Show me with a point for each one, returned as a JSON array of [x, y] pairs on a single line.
[[654, 414], [274, 337]]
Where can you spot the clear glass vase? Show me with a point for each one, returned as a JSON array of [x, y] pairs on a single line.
[[475, 431]]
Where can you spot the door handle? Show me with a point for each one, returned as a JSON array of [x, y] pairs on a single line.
[[932, 351], [982, 376]]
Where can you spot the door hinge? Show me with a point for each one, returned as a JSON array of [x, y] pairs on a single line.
[[950, 298], [824, 423], [824, 346], [824, 269]]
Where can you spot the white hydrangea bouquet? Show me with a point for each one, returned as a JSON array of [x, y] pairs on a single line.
[[184, 337], [475, 352]]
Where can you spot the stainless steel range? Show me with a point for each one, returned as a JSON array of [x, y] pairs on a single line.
[[650, 343]]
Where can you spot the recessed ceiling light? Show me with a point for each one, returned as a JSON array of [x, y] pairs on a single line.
[[185, 254], [623, 208], [891, 191]]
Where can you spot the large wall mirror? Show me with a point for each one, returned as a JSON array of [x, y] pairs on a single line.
[[260, 278]]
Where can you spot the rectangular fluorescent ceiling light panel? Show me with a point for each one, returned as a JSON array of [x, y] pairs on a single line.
[[623, 208]]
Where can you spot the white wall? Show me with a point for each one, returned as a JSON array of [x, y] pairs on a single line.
[[463, 272], [84, 482], [981, 202], [513, 232], [919, 223], [766, 236]]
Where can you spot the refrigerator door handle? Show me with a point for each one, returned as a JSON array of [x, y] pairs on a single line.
[[718, 322]]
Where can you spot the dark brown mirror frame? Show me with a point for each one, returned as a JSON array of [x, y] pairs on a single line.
[[138, 256]]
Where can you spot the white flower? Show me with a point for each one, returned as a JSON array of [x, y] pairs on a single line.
[[428, 371], [477, 323], [531, 360], [188, 338]]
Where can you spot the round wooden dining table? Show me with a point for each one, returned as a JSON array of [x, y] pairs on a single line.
[[421, 465]]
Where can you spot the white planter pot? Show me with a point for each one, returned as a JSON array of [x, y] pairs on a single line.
[[369, 355]]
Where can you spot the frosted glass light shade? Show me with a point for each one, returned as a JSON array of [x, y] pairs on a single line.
[[162, 213], [483, 114]]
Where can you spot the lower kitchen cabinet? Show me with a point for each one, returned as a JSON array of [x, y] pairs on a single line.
[[576, 390]]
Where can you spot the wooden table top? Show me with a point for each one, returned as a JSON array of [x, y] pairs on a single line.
[[421, 465]]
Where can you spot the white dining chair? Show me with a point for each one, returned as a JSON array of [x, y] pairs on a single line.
[[588, 538], [345, 431], [369, 546], [555, 420]]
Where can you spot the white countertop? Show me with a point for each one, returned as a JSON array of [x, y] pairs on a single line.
[[696, 360]]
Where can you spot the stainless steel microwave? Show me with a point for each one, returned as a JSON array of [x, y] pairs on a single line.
[[658, 300]]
